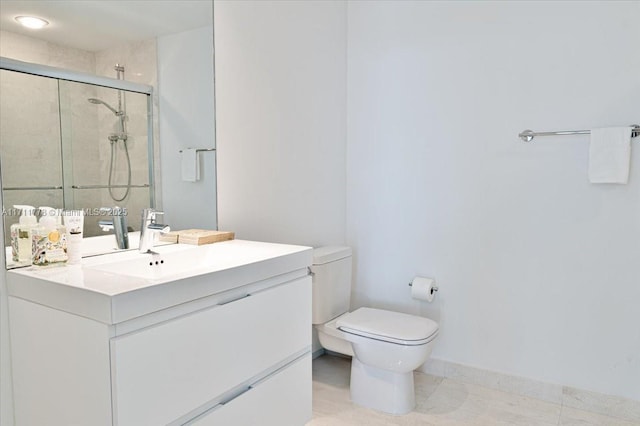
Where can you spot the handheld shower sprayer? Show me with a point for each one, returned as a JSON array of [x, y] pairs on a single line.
[[118, 136], [99, 101], [122, 134]]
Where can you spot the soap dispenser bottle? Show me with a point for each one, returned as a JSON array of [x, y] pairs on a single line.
[[49, 239], [21, 234]]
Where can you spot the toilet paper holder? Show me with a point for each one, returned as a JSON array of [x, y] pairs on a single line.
[[433, 289]]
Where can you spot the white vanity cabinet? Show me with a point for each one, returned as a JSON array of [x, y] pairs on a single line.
[[237, 357]]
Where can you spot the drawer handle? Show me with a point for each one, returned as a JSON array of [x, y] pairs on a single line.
[[240, 393], [226, 302]]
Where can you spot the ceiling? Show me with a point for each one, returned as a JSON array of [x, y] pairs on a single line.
[[96, 25]]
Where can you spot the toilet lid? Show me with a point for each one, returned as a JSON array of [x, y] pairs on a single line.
[[393, 327]]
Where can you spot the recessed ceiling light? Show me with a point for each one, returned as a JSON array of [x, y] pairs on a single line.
[[32, 22]]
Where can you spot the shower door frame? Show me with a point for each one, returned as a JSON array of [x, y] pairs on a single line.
[[112, 83]]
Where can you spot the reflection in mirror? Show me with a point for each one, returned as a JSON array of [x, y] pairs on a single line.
[[30, 144], [73, 146], [105, 151], [59, 149]]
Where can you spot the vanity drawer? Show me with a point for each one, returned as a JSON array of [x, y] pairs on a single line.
[[162, 373], [281, 399]]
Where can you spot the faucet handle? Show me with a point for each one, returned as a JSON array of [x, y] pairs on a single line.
[[153, 214], [160, 227], [150, 213]]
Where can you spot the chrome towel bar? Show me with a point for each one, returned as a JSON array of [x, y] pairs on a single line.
[[528, 135], [144, 185], [32, 188], [203, 149]]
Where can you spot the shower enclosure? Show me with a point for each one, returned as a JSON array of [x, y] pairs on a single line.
[[74, 141]]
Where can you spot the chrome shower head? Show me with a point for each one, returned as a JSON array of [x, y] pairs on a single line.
[[98, 101]]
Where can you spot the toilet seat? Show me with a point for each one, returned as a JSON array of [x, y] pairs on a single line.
[[388, 326]]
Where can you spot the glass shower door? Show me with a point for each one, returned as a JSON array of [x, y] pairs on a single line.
[[105, 145], [30, 144]]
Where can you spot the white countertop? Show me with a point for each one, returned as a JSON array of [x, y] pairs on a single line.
[[93, 246], [92, 290]]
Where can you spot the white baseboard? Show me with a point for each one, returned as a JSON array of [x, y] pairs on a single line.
[[609, 405]]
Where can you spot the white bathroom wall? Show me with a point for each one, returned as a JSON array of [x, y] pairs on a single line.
[[539, 270], [186, 120], [281, 114]]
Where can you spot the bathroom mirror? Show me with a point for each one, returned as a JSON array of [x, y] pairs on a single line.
[[80, 145], [73, 145]]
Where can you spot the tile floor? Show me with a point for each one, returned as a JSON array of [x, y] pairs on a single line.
[[440, 401]]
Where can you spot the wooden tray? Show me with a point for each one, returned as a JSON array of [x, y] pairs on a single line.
[[203, 236]]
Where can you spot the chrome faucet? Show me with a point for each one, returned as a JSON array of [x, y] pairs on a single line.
[[118, 224], [149, 228]]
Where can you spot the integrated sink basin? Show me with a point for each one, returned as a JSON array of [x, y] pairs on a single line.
[[116, 287], [177, 261]]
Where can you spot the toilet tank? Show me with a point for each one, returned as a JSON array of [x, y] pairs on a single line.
[[331, 282]]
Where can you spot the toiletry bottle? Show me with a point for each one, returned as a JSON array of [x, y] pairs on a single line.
[[49, 239], [74, 222], [21, 234]]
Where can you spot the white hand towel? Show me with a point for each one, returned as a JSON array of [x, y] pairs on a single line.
[[190, 165], [610, 155]]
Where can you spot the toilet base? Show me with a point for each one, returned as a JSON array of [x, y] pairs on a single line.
[[382, 390]]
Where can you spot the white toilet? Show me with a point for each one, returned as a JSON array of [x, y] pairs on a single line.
[[386, 346]]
